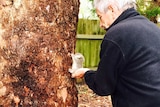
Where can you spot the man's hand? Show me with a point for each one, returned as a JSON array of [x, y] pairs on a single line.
[[79, 73]]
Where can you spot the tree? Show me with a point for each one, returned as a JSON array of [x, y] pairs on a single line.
[[37, 37], [149, 8]]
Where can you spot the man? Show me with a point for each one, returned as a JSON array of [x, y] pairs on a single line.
[[129, 67]]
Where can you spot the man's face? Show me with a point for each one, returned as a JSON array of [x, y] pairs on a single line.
[[106, 19]]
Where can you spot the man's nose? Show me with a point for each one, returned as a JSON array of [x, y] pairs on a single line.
[[101, 24]]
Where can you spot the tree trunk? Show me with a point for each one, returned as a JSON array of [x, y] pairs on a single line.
[[37, 38]]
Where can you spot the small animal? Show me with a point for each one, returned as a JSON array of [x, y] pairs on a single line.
[[77, 62]]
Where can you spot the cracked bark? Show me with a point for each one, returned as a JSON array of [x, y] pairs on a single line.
[[37, 38]]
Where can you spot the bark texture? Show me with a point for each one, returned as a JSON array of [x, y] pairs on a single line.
[[37, 38]]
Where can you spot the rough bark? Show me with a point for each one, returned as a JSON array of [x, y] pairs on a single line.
[[37, 37]]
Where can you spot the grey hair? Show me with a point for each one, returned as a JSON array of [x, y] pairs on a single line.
[[102, 5]]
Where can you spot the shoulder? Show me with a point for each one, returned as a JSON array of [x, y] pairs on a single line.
[[128, 28]]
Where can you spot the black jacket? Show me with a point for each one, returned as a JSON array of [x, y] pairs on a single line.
[[129, 67]]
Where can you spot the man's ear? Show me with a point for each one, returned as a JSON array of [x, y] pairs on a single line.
[[110, 7]]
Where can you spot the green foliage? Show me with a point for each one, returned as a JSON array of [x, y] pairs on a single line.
[[90, 0], [149, 9], [153, 12]]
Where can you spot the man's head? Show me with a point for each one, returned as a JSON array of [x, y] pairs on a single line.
[[109, 10]]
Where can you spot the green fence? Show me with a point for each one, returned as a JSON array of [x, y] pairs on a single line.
[[89, 46], [91, 27], [88, 41]]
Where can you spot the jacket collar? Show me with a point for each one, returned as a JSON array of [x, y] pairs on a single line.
[[126, 14]]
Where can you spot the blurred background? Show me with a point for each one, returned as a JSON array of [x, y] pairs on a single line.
[[90, 35]]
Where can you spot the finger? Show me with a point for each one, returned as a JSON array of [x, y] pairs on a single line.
[[75, 75]]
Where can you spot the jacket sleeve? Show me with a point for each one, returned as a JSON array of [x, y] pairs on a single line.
[[104, 80]]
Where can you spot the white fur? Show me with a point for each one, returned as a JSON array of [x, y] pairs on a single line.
[[77, 63]]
